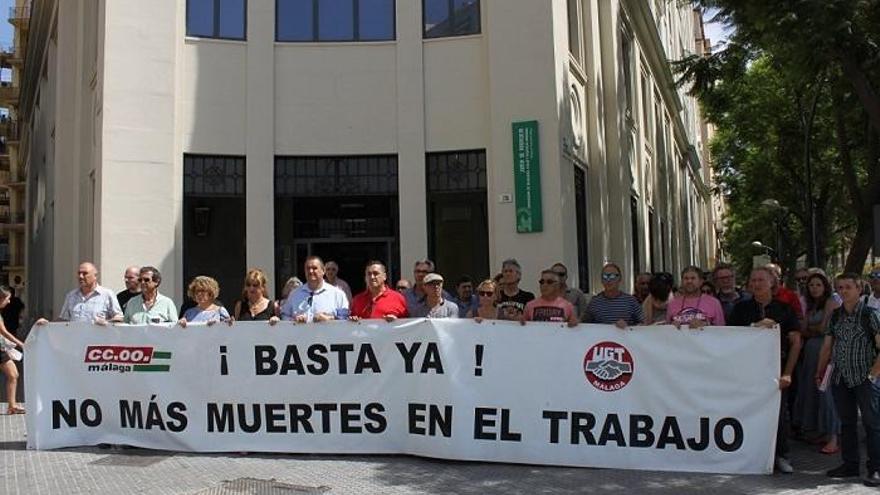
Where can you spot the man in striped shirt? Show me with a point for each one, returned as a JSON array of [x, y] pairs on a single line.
[[612, 306], [854, 337]]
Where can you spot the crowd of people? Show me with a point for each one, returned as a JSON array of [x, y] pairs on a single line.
[[830, 334]]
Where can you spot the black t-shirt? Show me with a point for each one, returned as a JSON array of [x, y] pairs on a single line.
[[747, 312], [512, 307], [245, 312], [125, 296], [11, 313]]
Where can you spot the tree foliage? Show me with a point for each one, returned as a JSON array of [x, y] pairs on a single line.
[[794, 91]]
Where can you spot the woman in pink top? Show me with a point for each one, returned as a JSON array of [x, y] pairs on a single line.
[[691, 307]]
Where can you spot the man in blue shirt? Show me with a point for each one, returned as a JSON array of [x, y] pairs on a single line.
[[316, 300]]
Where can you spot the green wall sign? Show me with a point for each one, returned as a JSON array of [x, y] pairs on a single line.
[[527, 177]]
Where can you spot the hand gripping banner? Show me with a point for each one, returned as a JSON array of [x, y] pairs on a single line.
[[654, 398]]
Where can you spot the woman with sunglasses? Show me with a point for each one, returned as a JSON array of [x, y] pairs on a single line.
[[255, 304], [486, 309], [613, 306]]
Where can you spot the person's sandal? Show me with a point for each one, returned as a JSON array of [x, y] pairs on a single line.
[[830, 450], [15, 410]]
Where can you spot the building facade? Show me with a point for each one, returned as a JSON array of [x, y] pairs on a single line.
[[13, 240], [209, 136]]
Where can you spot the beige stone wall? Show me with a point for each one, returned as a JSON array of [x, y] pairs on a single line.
[[159, 95]]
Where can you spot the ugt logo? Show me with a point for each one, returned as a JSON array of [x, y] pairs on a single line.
[[608, 366]]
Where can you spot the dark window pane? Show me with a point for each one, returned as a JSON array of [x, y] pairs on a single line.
[[200, 17], [467, 16], [232, 19], [294, 20], [335, 20], [376, 19], [436, 13]]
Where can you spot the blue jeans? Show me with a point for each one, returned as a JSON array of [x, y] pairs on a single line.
[[864, 398]]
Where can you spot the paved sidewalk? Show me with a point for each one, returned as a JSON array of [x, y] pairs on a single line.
[[94, 471]]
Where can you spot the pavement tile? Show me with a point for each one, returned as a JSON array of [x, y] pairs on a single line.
[[93, 471]]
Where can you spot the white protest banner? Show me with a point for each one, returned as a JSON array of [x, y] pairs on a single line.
[[652, 398]]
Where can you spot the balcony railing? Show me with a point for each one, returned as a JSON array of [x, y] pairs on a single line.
[[9, 130], [19, 14], [8, 92], [17, 260]]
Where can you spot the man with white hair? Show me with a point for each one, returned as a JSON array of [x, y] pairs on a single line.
[[331, 276], [511, 299]]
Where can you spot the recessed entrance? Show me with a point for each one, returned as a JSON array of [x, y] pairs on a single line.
[[343, 209]]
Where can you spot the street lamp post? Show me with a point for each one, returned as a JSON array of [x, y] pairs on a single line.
[[768, 254], [780, 212]]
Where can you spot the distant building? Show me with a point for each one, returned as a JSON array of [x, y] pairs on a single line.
[[208, 136], [13, 238]]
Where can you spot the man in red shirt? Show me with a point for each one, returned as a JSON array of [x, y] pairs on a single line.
[[784, 294], [378, 300]]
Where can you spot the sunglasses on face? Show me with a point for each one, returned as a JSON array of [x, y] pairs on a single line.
[[401, 287], [608, 277], [486, 293], [546, 282], [145, 280]]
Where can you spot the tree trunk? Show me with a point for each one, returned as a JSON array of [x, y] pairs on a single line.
[[862, 87], [858, 253]]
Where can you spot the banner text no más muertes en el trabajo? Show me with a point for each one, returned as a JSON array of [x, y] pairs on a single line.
[[655, 398]]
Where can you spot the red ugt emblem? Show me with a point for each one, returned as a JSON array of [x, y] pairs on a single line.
[[608, 366]]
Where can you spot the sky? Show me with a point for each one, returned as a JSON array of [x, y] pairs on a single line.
[[5, 27], [714, 31]]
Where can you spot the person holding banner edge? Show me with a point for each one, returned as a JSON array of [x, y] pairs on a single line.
[[852, 344], [764, 311], [8, 355], [90, 302]]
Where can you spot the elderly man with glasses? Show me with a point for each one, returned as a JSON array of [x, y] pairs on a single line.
[[149, 306], [435, 304]]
